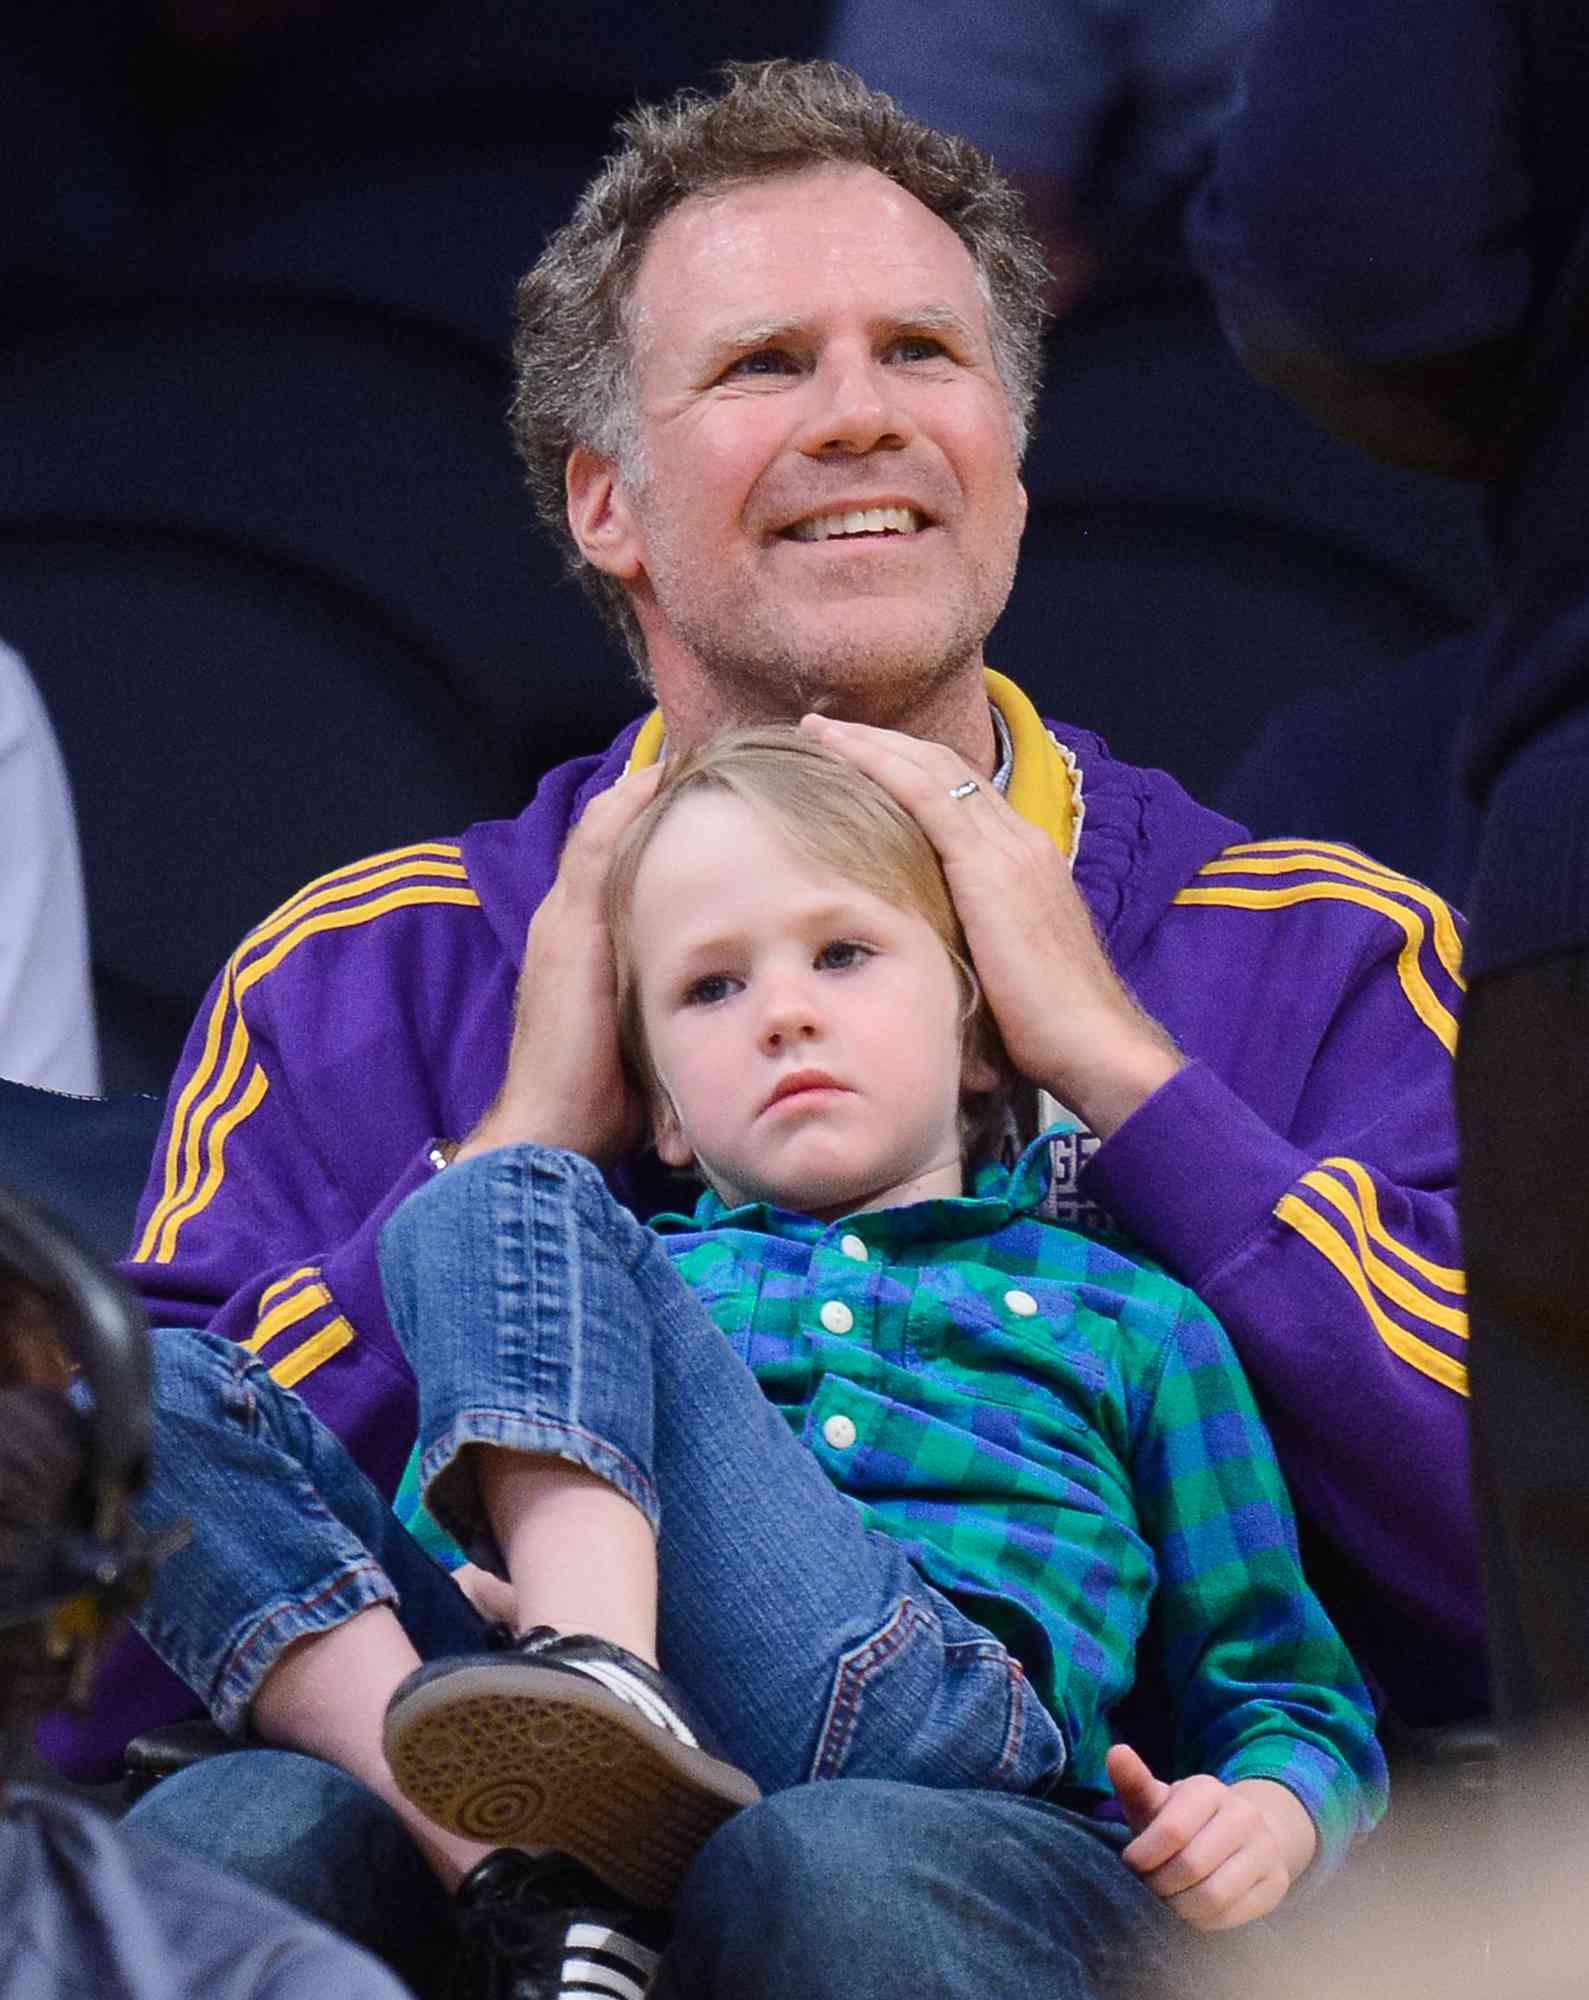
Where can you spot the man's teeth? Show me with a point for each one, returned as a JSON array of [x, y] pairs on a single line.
[[858, 521]]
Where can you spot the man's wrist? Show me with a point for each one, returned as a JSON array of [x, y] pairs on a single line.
[[1119, 1077]]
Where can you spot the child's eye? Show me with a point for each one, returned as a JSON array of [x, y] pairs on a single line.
[[708, 989], [841, 954]]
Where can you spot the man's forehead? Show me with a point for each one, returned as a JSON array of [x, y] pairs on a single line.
[[762, 253]]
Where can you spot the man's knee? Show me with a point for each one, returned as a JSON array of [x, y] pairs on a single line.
[[854, 1886], [306, 1832]]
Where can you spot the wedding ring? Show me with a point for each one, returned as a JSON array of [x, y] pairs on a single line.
[[964, 789]]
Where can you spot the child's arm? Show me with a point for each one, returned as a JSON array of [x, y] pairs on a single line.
[[1218, 1854], [1262, 1686]]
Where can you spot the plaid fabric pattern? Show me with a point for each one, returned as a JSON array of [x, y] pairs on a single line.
[[1058, 1433]]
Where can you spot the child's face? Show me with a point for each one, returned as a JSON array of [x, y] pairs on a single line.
[[806, 1033]]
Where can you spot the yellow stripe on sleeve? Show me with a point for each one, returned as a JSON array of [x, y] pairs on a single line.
[[1435, 1015], [184, 1192], [1354, 867], [286, 1284], [319, 1347], [1419, 1354], [1399, 1290], [220, 1131], [1449, 1277], [190, 1090], [431, 855], [286, 1314]]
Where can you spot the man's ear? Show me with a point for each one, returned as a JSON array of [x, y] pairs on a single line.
[[673, 1149], [599, 515]]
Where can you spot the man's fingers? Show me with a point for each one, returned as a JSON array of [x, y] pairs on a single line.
[[921, 776], [1139, 1792]]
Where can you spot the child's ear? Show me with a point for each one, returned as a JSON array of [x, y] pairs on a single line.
[[977, 1075], [667, 1134]]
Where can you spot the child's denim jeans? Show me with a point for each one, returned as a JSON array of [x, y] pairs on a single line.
[[539, 1315]]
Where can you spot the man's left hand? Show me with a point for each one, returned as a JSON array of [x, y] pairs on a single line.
[[1067, 1021]]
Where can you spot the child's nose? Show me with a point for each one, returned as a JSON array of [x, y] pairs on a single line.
[[789, 1015]]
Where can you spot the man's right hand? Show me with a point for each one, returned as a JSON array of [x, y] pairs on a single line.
[[565, 1084]]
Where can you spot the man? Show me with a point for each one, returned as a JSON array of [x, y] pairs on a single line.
[[774, 381]]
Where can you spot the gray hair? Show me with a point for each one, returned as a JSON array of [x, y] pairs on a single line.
[[571, 346]]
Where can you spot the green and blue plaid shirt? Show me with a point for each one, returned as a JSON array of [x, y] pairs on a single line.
[[1058, 1434]]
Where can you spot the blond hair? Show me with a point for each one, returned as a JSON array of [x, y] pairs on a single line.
[[840, 821]]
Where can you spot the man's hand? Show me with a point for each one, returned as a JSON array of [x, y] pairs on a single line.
[[1218, 1854], [565, 1084], [1067, 1021]]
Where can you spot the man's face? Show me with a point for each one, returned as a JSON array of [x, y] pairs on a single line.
[[826, 497], [806, 1033]]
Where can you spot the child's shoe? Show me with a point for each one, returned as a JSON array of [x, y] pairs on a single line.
[[568, 1743], [543, 1928]]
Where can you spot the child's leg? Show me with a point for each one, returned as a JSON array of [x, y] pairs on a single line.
[[581, 1556], [281, 1611], [540, 1317]]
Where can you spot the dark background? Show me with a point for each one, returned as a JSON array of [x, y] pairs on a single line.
[[262, 538]]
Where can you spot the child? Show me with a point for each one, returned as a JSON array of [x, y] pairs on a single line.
[[1033, 1429], [885, 1470]]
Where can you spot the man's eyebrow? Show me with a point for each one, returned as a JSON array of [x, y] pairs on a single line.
[[932, 316]]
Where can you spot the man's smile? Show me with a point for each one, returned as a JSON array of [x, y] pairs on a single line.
[[857, 521]]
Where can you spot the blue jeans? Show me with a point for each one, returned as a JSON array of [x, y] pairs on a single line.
[[860, 1890], [539, 1315]]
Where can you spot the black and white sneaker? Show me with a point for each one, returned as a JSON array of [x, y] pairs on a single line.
[[568, 1743], [543, 1928]]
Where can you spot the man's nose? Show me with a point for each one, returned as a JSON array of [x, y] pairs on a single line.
[[854, 409]]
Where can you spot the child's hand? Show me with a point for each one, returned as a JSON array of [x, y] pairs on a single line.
[[1218, 1854], [491, 1596]]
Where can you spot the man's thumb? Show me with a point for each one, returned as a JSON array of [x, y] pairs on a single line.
[[1139, 1792]]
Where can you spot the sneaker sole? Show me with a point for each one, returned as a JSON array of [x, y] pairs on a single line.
[[516, 1755]]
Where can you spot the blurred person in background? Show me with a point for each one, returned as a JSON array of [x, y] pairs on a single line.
[[1102, 114], [46, 1002], [91, 1907], [1396, 231]]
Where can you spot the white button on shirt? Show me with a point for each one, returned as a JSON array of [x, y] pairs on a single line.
[[1021, 1302], [839, 1432], [852, 1246], [836, 1316]]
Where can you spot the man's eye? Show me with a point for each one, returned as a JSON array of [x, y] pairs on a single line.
[[704, 992], [763, 361], [841, 954], [919, 347]]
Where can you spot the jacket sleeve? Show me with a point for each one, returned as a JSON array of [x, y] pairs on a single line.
[[299, 1118], [1373, 265], [1261, 1683], [1301, 1178]]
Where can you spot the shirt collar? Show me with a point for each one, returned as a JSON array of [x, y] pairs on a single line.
[[1038, 775], [998, 1195]]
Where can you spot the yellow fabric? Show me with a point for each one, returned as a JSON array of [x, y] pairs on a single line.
[[1042, 778]]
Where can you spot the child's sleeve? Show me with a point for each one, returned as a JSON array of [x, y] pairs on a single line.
[[1262, 1683], [408, 1504]]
